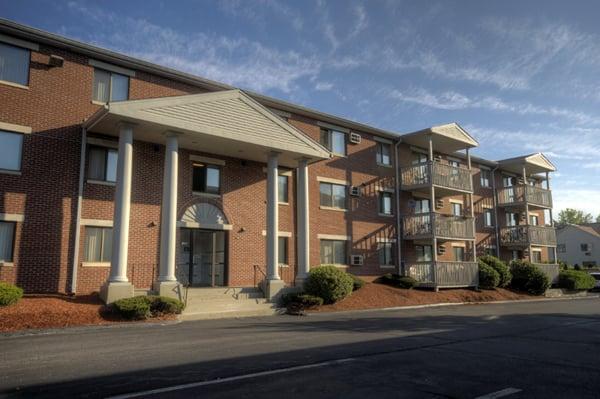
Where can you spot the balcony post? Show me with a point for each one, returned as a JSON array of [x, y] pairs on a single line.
[[471, 204], [432, 201], [527, 221], [550, 214]]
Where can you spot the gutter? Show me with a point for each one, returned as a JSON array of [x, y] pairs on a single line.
[[398, 221], [77, 235], [496, 222]]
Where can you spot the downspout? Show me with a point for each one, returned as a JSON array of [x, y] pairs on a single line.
[[398, 221], [496, 222], [76, 238]]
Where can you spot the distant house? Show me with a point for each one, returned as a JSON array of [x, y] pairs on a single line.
[[579, 244]]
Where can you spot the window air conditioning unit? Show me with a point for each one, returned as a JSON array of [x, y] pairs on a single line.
[[356, 260], [520, 180], [441, 249], [439, 203], [355, 191], [355, 138], [437, 158]]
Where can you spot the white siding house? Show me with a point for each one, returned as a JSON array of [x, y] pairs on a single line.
[[579, 244]]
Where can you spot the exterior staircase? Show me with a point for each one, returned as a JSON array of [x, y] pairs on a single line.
[[225, 302]]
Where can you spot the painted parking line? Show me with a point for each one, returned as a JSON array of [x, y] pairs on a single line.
[[499, 394], [229, 379]]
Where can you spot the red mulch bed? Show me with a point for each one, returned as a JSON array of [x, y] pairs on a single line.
[[57, 311], [374, 295]]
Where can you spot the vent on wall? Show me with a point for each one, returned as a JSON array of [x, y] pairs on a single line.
[[355, 138], [356, 260], [441, 249], [439, 203]]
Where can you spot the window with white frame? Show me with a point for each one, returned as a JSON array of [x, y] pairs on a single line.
[[512, 219], [110, 86], [282, 251], [585, 247], [98, 244], [457, 208], [14, 64], [533, 220], [384, 151], [485, 177], [419, 158], [11, 148], [102, 163], [282, 189], [386, 253], [385, 203], [488, 218], [7, 241], [490, 250], [459, 254], [422, 206], [334, 141], [332, 195], [536, 256], [333, 252], [206, 178], [424, 253]]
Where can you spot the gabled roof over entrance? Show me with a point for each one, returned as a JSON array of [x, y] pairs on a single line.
[[533, 163], [228, 123], [446, 139]]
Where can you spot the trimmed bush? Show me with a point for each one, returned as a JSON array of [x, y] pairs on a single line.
[[500, 267], [529, 278], [305, 300], [142, 306], [329, 282], [357, 283], [399, 281], [576, 280], [9, 294], [489, 278], [576, 267]]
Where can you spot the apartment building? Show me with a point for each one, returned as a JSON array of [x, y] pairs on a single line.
[[118, 175]]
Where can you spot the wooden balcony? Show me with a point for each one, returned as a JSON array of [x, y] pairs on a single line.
[[525, 194], [525, 235], [444, 274], [428, 225], [438, 174]]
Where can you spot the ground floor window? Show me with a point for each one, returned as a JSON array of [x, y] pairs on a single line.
[[459, 254], [385, 203], [98, 244], [386, 253], [424, 253], [7, 239], [333, 252], [536, 256], [283, 250]]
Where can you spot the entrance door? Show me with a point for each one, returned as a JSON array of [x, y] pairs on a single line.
[[206, 258]]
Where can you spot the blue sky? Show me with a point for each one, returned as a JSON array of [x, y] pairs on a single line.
[[520, 76]]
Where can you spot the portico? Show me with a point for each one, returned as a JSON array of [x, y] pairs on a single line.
[[225, 123]]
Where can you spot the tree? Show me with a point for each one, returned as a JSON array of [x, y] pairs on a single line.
[[574, 216], [598, 219]]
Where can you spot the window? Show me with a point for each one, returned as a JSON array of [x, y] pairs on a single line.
[[487, 218], [585, 247], [516, 255], [562, 248], [14, 64], [282, 189], [508, 181], [533, 220], [424, 253], [512, 219], [333, 195], [422, 206], [110, 86], [98, 244], [386, 253], [334, 141], [485, 177], [457, 209], [385, 203], [419, 158], [282, 242], [383, 153], [206, 179], [454, 163], [536, 256], [333, 252], [102, 164], [459, 254], [11, 147], [490, 251], [7, 240]]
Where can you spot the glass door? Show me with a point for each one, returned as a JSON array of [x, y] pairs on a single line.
[[207, 258]]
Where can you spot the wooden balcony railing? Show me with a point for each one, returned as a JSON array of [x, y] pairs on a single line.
[[522, 194], [420, 226], [444, 274], [446, 176], [528, 235]]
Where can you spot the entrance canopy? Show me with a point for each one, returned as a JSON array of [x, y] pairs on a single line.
[[227, 123]]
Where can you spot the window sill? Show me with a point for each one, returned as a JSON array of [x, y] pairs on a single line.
[[95, 264], [386, 215], [98, 102], [6, 264], [283, 265], [283, 203], [13, 84], [101, 182], [384, 165], [335, 154], [207, 195], [10, 172], [330, 208]]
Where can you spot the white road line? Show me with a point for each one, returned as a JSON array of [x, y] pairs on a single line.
[[229, 379], [499, 394]]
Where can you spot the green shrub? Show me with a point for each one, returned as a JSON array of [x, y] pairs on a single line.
[[329, 282], [399, 281], [9, 294], [563, 265], [529, 278], [500, 267], [305, 300], [489, 278], [357, 283], [576, 267], [576, 280], [142, 306]]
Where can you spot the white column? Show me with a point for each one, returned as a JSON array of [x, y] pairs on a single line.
[[118, 264], [525, 188], [272, 217], [303, 221], [168, 223], [472, 205]]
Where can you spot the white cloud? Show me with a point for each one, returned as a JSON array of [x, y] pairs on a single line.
[[323, 86], [584, 199], [361, 21]]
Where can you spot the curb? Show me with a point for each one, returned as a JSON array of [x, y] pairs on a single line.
[[443, 304]]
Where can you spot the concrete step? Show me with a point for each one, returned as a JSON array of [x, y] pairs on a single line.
[[229, 314], [234, 293]]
